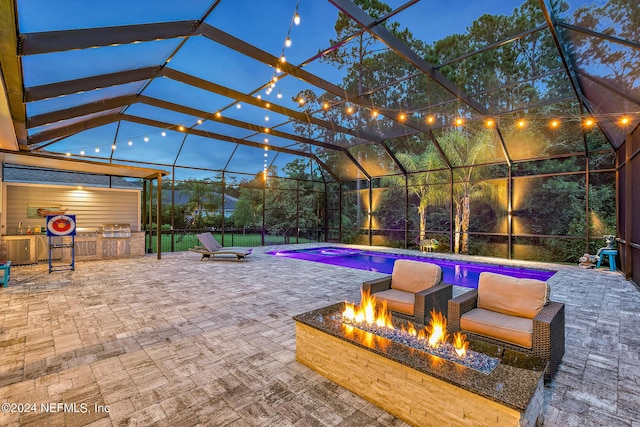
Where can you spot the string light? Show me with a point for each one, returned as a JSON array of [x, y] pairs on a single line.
[[296, 19], [82, 152], [238, 106], [181, 128], [146, 138], [279, 95], [349, 110], [325, 105], [430, 119], [163, 133], [68, 153], [374, 114], [130, 143], [97, 149], [402, 117], [589, 122], [521, 123], [459, 121], [113, 147], [554, 124], [301, 101], [625, 121], [489, 123], [287, 41]]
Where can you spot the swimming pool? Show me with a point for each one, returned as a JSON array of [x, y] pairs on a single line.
[[456, 272]]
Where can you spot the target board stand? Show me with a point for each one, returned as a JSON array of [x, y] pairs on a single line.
[[61, 226]]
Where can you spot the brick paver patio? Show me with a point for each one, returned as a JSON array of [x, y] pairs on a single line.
[[180, 342]]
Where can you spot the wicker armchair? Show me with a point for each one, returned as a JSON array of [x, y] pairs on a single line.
[[547, 338], [412, 291]]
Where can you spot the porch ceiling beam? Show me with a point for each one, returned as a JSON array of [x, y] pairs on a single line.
[[73, 128], [239, 96], [358, 15], [226, 138], [58, 41], [613, 39], [81, 110], [233, 122], [600, 82], [37, 93]]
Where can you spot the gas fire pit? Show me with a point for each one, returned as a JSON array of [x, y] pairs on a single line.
[[415, 384]]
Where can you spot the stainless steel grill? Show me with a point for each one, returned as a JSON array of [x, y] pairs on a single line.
[[113, 231]]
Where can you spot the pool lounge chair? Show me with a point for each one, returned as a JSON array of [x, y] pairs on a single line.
[[210, 247]]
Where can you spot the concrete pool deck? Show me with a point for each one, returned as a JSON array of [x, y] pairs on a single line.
[[182, 342]]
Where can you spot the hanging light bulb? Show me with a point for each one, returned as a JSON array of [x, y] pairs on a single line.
[[267, 105], [82, 152], [278, 70], [266, 140], [272, 86], [68, 153], [521, 123], [238, 106], [146, 138], [113, 147], [218, 114], [259, 96], [97, 149], [279, 94], [181, 128], [283, 59], [625, 121], [402, 117], [459, 121], [266, 118], [554, 124], [296, 19], [200, 120], [325, 105], [489, 123], [163, 133], [287, 42], [589, 122], [349, 110], [130, 143], [430, 119], [374, 114], [301, 101]]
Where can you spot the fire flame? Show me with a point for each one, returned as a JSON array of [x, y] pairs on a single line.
[[460, 343], [375, 313], [437, 329], [369, 312]]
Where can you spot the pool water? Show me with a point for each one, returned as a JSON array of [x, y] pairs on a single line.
[[455, 272]]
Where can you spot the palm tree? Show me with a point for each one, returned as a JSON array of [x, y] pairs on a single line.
[[465, 149]]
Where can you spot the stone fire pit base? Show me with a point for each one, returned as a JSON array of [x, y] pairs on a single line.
[[413, 395]]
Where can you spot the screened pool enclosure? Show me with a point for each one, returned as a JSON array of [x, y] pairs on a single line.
[[499, 128]]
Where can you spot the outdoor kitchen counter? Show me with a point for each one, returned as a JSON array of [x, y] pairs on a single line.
[[91, 245]]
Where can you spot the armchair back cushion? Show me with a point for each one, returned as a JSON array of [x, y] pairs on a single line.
[[414, 276], [512, 296]]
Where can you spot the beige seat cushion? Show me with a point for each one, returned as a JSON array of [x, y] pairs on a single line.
[[414, 276], [510, 295], [512, 329], [400, 301]]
